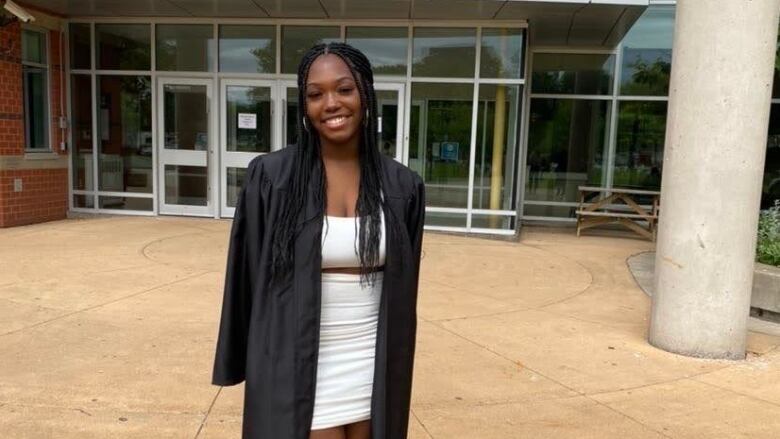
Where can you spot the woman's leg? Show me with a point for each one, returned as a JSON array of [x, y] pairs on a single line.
[[328, 433], [358, 430]]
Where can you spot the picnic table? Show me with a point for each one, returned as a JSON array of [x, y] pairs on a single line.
[[600, 205]]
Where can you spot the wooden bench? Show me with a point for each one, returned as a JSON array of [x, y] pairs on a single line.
[[599, 206]]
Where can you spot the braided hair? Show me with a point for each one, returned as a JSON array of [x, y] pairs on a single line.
[[308, 159]]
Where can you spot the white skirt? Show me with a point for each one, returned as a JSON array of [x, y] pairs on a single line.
[[345, 367]]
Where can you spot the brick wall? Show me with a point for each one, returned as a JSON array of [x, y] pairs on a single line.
[[11, 110], [44, 181]]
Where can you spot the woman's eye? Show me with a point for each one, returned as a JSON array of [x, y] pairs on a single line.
[[313, 95], [346, 90]]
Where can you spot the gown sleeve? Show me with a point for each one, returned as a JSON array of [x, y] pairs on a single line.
[[415, 224], [245, 235]]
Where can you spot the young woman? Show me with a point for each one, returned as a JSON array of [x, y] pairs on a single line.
[[319, 308]]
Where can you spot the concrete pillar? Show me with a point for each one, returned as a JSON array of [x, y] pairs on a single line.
[[723, 59]]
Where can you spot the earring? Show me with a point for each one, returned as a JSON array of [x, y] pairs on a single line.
[[365, 119], [305, 126]]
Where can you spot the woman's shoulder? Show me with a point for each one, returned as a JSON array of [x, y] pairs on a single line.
[[401, 179], [273, 167]]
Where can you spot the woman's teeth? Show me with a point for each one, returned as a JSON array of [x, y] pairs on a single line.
[[335, 121]]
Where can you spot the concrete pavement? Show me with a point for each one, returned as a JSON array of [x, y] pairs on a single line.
[[108, 325]]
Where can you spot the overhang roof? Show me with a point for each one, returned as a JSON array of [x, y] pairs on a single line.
[[551, 22]]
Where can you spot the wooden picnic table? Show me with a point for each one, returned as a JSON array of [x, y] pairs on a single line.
[[600, 205]]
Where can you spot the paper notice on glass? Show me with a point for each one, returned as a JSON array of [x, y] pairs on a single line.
[[247, 121]]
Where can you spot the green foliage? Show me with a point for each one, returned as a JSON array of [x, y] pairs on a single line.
[[768, 245]]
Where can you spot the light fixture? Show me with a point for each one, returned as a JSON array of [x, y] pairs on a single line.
[[18, 11]]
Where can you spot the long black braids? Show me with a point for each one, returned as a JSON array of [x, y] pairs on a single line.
[[308, 162]]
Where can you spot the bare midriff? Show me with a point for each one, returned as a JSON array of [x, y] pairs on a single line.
[[348, 270]]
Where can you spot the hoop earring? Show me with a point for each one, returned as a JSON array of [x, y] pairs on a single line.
[[305, 126], [365, 119]]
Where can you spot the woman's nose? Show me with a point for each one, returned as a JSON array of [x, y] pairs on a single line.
[[331, 101]]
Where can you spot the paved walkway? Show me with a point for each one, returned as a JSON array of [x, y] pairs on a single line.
[[107, 329]]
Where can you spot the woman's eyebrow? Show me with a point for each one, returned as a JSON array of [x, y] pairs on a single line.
[[341, 79]]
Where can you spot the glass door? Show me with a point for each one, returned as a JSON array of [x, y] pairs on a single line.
[[247, 121], [184, 143], [288, 90], [390, 109]]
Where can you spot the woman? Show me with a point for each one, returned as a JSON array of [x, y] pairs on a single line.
[[319, 309]]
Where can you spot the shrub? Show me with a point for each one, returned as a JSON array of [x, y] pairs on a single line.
[[768, 245]]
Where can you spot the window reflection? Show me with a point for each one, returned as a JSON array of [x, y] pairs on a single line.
[[385, 47], [81, 128], [498, 116], [444, 52], [440, 142], [502, 53], [640, 145], [247, 48], [125, 133], [647, 54], [248, 118], [387, 107], [185, 47], [567, 73], [123, 46], [235, 180], [296, 40], [771, 184], [566, 147], [80, 46]]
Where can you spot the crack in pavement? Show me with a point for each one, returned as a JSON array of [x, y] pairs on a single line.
[[208, 412], [425, 429], [584, 395], [119, 299]]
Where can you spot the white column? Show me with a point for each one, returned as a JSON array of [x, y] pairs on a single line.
[[719, 97]]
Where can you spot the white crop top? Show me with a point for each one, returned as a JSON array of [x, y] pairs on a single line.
[[339, 242]]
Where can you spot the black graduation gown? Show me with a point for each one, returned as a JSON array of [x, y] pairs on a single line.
[[269, 334]]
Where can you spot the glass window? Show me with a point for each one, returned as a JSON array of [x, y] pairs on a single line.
[[186, 185], [387, 111], [440, 144], [36, 108], [567, 73], [444, 52], [235, 179], [81, 130], [184, 47], [291, 116], [297, 40], [125, 133], [33, 46], [640, 145], [500, 222], [498, 121], [35, 83], [253, 103], [776, 83], [126, 203], [186, 120], [385, 47], [247, 49], [84, 201], [647, 54], [771, 186], [445, 219], [80, 46], [566, 147], [123, 46], [502, 53]]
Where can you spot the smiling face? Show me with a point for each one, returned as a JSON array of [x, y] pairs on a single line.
[[333, 101]]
